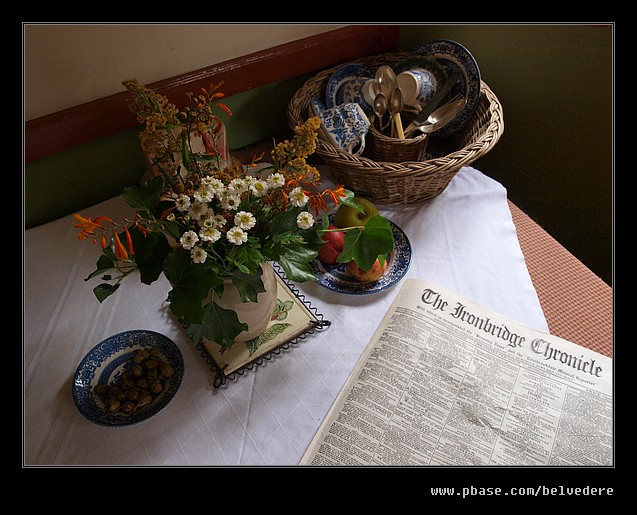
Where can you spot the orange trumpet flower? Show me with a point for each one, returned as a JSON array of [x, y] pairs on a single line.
[[89, 226], [120, 251], [129, 241]]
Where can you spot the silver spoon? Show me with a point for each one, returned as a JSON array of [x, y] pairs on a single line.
[[385, 80], [380, 108], [395, 107], [439, 118]]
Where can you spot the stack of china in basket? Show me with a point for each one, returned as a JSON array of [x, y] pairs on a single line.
[[394, 170]]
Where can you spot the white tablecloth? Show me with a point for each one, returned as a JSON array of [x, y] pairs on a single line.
[[464, 240]]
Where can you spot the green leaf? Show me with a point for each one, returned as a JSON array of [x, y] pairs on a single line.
[[144, 196], [219, 325], [171, 229], [103, 264], [150, 254], [246, 257], [350, 200], [185, 151], [191, 285], [365, 246], [295, 262], [284, 223], [248, 285], [105, 290]]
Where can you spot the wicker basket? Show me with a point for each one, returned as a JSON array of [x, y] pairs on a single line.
[[380, 147], [409, 181]]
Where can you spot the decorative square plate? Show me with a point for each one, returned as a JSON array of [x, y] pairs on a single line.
[[293, 318]]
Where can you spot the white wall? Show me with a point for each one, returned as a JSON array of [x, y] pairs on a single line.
[[69, 64]]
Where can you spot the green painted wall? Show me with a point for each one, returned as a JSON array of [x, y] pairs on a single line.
[[555, 157]]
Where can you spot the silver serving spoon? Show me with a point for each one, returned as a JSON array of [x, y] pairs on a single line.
[[439, 118]]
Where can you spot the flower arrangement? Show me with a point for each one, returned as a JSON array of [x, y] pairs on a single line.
[[201, 218]]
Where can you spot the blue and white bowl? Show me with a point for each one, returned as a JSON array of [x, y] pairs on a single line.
[[345, 85]]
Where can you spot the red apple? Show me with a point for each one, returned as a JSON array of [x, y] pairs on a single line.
[[373, 274], [334, 246]]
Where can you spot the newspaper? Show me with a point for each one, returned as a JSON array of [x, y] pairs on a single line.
[[445, 381]]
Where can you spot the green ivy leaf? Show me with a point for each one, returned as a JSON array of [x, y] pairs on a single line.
[[295, 262], [218, 325], [150, 254], [105, 290], [350, 200], [248, 285], [366, 245], [284, 224], [191, 285]]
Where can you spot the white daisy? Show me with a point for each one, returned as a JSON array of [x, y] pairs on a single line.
[[209, 233], [183, 202], [198, 255], [237, 186], [259, 187], [214, 185], [188, 239], [305, 220], [297, 197], [245, 220], [219, 221], [204, 194], [230, 202], [237, 236], [197, 210], [276, 180]]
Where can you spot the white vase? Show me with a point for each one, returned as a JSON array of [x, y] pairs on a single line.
[[256, 314]]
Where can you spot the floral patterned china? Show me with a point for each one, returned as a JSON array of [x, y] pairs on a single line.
[[455, 57], [346, 85], [344, 125], [109, 360]]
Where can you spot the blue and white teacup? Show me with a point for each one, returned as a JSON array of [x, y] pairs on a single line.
[[417, 86], [345, 125]]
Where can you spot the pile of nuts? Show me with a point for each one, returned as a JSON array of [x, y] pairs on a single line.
[[138, 386]]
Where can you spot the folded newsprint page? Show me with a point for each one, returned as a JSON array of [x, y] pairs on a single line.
[[446, 382]]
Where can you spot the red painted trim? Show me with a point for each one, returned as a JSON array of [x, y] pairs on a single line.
[[78, 125]]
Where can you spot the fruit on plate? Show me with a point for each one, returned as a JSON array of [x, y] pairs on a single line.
[[335, 240], [373, 274], [348, 216]]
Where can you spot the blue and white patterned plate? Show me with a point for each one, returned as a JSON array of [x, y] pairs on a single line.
[[336, 277], [455, 57], [346, 85], [107, 360]]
